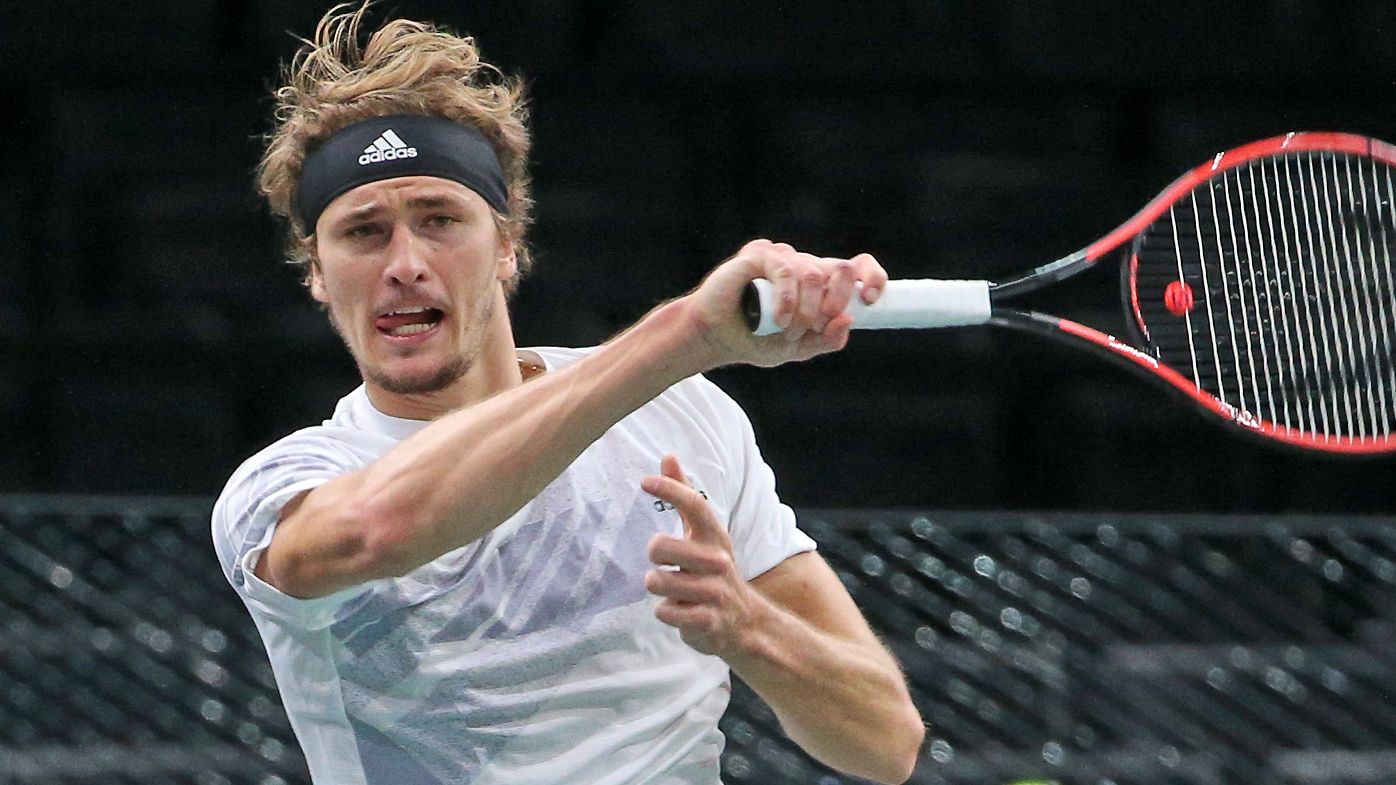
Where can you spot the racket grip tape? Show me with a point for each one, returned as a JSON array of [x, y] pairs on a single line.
[[907, 303]]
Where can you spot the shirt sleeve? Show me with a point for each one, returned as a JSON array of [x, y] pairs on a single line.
[[248, 511], [763, 529]]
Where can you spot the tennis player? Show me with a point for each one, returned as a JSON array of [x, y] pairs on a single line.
[[525, 566]]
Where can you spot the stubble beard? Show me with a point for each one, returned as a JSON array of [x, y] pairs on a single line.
[[431, 381]]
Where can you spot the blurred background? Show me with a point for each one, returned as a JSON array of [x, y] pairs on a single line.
[[152, 338], [1085, 579]]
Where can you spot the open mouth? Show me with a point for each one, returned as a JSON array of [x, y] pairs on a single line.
[[412, 320]]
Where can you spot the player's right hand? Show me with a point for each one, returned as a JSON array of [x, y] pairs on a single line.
[[811, 294]]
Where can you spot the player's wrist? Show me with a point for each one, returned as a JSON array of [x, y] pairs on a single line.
[[690, 335], [755, 644]]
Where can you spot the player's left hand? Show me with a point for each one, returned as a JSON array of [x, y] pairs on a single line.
[[707, 598]]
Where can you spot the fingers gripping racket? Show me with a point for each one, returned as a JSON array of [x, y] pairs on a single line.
[[1259, 285]]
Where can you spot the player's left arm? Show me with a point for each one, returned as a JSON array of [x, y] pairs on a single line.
[[793, 634]]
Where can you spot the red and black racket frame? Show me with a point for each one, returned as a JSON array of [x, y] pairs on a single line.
[[1137, 360]]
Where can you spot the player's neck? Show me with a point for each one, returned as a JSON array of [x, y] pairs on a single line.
[[496, 368]]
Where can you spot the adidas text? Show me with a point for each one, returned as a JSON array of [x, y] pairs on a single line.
[[387, 155]]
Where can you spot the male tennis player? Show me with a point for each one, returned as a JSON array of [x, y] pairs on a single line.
[[539, 566]]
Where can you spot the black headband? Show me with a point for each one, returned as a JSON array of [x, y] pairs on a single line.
[[398, 145]]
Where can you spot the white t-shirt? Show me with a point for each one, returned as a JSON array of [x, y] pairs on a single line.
[[531, 656]]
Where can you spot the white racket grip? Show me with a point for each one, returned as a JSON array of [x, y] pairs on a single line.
[[907, 303]]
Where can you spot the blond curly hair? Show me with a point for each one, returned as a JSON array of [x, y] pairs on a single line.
[[405, 67]]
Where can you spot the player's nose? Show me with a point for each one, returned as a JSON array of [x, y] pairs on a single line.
[[405, 263]]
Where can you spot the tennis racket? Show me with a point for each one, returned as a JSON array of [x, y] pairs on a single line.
[[1259, 285]]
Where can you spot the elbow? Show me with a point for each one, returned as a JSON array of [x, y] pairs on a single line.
[[889, 751], [911, 752], [901, 756]]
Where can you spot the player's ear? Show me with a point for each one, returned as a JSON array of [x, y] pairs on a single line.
[[316, 283], [507, 258]]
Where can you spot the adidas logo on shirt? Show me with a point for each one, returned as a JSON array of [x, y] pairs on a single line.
[[386, 147]]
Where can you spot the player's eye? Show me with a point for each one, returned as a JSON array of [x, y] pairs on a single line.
[[441, 220], [361, 230]]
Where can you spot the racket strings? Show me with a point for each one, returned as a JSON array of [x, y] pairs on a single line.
[[1291, 309]]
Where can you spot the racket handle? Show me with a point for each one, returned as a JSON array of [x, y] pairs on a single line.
[[908, 303]]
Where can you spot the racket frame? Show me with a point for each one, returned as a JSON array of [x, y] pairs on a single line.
[[1140, 361], [952, 303]]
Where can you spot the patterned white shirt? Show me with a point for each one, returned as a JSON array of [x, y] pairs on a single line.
[[531, 656]]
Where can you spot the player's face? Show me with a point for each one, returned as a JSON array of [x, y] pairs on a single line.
[[411, 269]]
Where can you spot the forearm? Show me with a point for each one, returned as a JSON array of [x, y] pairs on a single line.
[[843, 702], [469, 471], [454, 481]]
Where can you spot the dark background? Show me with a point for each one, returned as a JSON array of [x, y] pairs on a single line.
[[150, 338]]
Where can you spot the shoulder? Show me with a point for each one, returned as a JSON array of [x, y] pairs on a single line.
[[320, 445], [304, 457]]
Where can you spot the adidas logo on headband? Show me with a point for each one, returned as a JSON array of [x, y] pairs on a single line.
[[444, 148], [387, 147]]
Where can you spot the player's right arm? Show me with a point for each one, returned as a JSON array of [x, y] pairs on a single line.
[[464, 474]]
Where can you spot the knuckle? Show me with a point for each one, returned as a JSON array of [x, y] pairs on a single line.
[[722, 564], [868, 262]]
